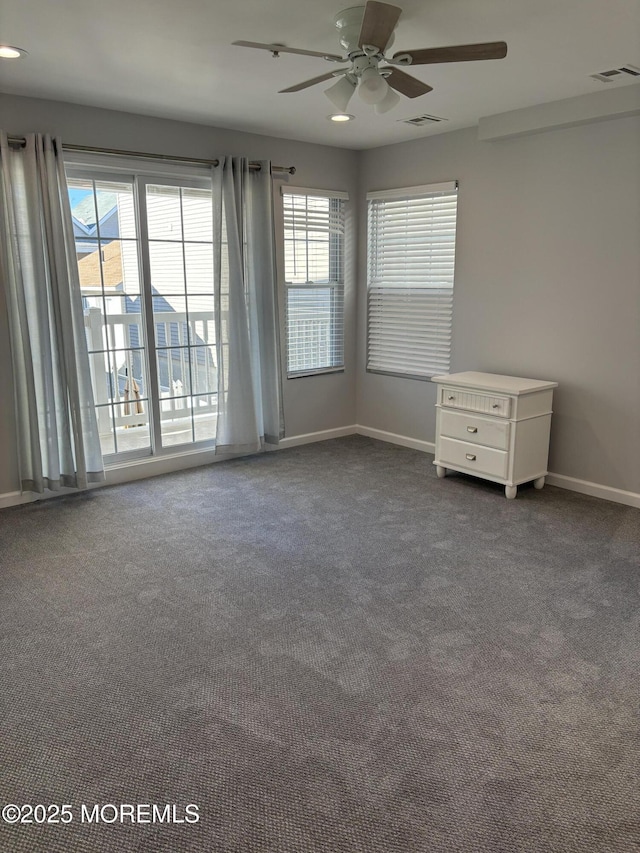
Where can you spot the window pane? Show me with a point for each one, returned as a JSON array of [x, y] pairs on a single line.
[[170, 321], [205, 415], [314, 254], [197, 212], [176, 423], [411, 260], [167, 267], [163, 213], [102, 209], [203, 369], [106, 429], [201, 320], [199, 267], [174, 376], [314, 328]]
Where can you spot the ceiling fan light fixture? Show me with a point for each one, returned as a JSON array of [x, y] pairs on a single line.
[[8, 51], [373, 88], [341, 117], [341, 93], [390, 100]]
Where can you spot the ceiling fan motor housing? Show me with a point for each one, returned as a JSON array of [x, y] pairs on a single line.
[[349, 23]]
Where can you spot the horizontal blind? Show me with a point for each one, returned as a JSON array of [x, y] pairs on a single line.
[[411, 263], [314, 281]]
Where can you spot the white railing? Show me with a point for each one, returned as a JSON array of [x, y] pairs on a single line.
[[114, 331]]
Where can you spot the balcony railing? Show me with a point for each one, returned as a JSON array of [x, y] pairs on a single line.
[[187, 390]]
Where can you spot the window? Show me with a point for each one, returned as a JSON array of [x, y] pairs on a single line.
[[314, 280], [411, 254], [144, 246]]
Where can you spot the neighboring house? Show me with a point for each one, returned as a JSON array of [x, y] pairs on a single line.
[[86, 224], [104, 273]]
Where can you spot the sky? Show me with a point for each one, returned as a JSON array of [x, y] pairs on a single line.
[[76, 196]]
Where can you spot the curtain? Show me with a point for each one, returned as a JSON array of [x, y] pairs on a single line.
[[58, 443], [249, 392]]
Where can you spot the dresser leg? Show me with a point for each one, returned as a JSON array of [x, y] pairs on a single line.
[[539, 483], [440, 471], [511, 492]]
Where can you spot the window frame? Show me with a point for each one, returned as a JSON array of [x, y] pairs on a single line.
[[140, 174], [434, 303], [336, 286]]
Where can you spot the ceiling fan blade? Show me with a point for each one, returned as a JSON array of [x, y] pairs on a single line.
[[457, 53], [378, 24], [279, 48], [299, 86], [406, 84]]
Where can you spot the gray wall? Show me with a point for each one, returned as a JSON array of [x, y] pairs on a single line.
[[547, 272], [547, 283], [312, 403]]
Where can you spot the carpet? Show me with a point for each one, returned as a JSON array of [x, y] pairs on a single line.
[[324, 649]]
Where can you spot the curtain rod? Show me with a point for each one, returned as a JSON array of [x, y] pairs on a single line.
[[20, 141]]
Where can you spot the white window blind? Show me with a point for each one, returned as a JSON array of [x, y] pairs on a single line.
[[411, 258], [314, 280]]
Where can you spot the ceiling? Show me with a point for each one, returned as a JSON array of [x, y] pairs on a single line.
[[175, 60]]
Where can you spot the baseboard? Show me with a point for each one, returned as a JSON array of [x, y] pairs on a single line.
[[154, 466], [311, 437], [8, 499], [394, 438], [14, 499], [596, 490], [151, 468]]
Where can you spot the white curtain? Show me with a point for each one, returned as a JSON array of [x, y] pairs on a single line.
[[58, 441], [249, 393]]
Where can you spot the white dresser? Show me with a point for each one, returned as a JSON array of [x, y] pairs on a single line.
[[496, 427]]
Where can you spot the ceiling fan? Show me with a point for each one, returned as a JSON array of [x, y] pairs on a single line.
[[366, 33]]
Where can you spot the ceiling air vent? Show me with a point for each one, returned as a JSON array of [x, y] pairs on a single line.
[[420, 121], [617, 75]]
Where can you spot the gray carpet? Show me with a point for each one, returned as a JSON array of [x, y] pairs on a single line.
[[325, 649]]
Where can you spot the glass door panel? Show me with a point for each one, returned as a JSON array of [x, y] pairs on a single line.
[[181, 269], [145, 262], [107, 251]]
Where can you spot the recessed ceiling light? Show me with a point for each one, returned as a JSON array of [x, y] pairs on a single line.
[[8, 51], [341, 117]]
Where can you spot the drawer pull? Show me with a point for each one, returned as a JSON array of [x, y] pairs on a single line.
[[472, 429], [471, 457], [496, 406], [451, 397]]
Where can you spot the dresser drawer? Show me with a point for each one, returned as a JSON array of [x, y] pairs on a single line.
[[488, 431], [472, 457], [488, 404]]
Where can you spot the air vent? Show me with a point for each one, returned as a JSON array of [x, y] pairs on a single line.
[[617, 75], [419, 121]]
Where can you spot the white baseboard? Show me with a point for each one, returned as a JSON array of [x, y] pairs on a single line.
[[163, 465], [311, 437], [596, 490], [8, 499], [14, 498], [394, 438], [140, 469]]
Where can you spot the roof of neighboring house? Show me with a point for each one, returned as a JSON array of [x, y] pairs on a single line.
[[85, 211], [89, 267]]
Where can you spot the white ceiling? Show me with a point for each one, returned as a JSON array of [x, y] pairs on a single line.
[[175, 59]]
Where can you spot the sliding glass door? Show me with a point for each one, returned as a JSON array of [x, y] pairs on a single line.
[[145, 259]]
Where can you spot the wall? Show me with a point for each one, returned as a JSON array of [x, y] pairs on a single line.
[[547, 283], [547, 275], [312, 403]]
